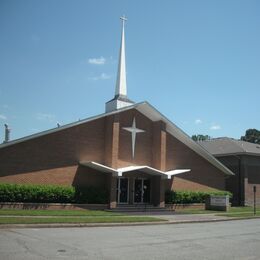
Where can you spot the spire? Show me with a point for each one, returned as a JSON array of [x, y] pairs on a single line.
[[121, 73], [120, 100]]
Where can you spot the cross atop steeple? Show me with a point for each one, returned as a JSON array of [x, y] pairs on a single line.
[[120, 100], [123, 18]]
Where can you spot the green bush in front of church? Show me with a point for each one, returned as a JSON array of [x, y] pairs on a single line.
[[187, 197], [51, 194]]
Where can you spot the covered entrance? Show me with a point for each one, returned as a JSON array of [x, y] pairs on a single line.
[[133, 190], [135, 185]]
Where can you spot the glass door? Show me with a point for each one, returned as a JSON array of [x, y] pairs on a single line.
[[142, 191], [122, 190], [146, 191], [138, 194]]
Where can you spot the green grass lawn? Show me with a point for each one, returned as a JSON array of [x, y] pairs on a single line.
[[241, 212], [35, 212], [12, 216], [243, 209], [93, 219], [232, 211]]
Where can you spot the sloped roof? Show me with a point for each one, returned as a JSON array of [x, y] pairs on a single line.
[[153, 114], [228, 146]]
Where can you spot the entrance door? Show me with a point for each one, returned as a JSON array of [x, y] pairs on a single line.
[[146, 191], [122, 190], [138, 194], [142, 191]]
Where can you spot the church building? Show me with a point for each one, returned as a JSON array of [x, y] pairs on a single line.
[[131, 150]]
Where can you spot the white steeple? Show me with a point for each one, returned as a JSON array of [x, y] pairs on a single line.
[[121, 74], [120, 100]]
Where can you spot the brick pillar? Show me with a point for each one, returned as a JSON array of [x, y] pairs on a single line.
[[158, 191], [244, 184], [159, 159], [159, 145], [112, 140], [111, 153], [112, 192], [162, 193]]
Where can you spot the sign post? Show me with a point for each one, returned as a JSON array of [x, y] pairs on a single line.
[[254, 189]]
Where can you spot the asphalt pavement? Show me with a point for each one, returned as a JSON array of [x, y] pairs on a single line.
[[238, 239]]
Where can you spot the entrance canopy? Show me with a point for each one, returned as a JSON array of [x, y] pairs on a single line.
[[120, 171]]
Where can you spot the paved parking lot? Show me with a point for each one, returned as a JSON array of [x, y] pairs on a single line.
[[220, 240]]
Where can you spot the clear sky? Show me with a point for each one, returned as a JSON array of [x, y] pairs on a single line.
[[197, 62]]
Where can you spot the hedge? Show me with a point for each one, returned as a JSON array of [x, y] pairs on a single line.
[[51, 194], [61, 194], [186, 197]]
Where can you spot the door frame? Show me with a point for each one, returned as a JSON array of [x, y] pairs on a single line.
[[118, 188]]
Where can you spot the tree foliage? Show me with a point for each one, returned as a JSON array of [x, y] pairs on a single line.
[[252, 136], [200, 137]]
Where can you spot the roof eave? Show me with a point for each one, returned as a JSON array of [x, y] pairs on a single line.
[[236, 154], [57, 129], [183, 137]]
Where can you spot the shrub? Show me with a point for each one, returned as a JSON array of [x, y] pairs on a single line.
[[185, 197], [91, 195], [51, 194]]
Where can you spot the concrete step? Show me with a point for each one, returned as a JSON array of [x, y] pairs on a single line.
[[137, 208]]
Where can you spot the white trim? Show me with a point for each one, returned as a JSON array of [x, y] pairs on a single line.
[[99, 167], [175, 172]]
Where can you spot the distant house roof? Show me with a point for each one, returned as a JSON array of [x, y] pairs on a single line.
[[153, 114], [227, 146]]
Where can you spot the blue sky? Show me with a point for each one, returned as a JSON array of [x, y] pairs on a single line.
[[197, 62]]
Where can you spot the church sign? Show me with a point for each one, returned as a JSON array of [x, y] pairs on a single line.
[[217, 203]]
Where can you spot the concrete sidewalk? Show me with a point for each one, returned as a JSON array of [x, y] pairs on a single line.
[[175, 217], [171, 218]]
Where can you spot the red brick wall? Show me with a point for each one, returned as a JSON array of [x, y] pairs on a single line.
[[252, 179], [249, 194], [249, 168], [59, 176], [72, 175], [203, 175], [53, 158]]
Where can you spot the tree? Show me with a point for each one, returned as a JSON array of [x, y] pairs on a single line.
[[252, 136], [200, 137]]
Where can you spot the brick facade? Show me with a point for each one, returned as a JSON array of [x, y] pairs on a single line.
[[247, 175], [55, 158], [203, 175]]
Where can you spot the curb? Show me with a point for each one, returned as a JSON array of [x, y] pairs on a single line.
[[89, 225]]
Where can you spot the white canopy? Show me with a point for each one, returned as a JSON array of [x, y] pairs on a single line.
[[147, 169]]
